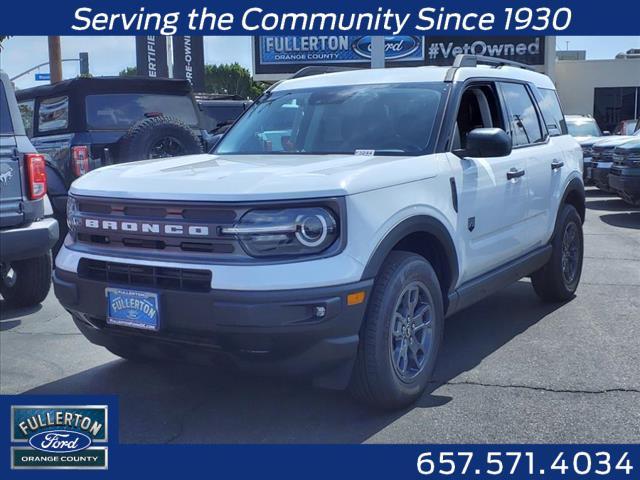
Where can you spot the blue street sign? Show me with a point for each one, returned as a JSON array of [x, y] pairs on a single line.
[[43, 77]]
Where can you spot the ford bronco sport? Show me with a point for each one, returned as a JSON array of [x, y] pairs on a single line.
[[26, 236], [333, 246]]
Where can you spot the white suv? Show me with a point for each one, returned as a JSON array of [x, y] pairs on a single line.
[[334, 227]]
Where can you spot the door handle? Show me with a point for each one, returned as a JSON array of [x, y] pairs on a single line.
[[514, 173], [556, 164]]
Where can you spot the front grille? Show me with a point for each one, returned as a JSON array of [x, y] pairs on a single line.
[[185, 215], [603, 154], [145, 276]]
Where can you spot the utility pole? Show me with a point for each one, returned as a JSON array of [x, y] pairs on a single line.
[[377, 51], [55, 59]]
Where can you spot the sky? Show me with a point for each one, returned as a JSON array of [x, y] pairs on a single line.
[[109, 55]]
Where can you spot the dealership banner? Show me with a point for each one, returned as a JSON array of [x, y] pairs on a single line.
[[77, 437], [151, 56], [443, 50], [287, 54], [188, 60], [321, 17]]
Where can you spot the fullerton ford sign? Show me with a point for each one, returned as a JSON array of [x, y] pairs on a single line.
[[287, 54]]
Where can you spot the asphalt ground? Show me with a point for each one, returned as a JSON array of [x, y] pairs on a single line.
[[512, 369]]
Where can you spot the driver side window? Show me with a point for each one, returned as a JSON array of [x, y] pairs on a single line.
[[479, 108]]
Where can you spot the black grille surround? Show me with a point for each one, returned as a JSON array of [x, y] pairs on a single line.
[[165, 278], [214, 247]]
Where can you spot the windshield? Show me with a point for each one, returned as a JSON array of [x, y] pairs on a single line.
[[388, 119], [583, 128]]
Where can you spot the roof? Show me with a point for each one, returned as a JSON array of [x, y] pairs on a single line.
[[413, 75], [89, 85]]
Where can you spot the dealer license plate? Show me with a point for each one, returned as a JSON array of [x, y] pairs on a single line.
[[133, 308]]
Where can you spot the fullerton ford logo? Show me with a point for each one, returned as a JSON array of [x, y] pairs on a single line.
[[60, 441], [59, 436], [395, 47], [144, 227]]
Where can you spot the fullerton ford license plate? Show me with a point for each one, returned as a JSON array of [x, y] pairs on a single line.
[[132, 308]]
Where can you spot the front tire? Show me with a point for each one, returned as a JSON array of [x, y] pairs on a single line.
[[29, 282], [558, 280], [401, 335]]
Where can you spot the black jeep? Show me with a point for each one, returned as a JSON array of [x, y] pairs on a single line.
[[85, 123]]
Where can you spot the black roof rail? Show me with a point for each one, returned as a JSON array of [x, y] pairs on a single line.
[[463, 60], [319, 70]]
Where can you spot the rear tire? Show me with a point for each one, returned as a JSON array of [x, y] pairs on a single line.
[[31, 283], [558, 280], [388, 373]]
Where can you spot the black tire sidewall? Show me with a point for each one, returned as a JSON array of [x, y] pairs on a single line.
[[137, 143], [411, 268], [568, 215]]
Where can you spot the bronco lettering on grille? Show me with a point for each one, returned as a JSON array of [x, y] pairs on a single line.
[[143, 227]]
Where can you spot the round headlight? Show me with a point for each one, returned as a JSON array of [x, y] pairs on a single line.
[[286, 232]]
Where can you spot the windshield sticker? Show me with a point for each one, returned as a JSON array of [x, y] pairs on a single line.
[[365, 153]]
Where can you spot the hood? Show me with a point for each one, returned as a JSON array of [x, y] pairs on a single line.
[[632, 146], [614, 141], [587, 141], [250, 177]]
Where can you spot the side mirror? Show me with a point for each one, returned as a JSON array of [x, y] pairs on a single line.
[[606, 133], [486, 142]]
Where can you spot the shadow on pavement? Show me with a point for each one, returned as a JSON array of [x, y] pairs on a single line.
[[624, 220], [609, 205], [181, 403], [9, 313]]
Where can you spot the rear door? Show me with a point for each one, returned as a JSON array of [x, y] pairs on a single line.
[[535, 154], [10, 166]]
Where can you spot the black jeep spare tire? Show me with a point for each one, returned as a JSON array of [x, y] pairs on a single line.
[[158, 137]]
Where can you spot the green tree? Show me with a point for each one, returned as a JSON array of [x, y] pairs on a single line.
[[232, 79], [128, 72]]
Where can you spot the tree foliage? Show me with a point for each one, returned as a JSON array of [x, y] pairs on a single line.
[[3, 38], [128, 72], [231, 78]]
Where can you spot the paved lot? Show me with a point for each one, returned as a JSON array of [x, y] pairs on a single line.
[[512, 370]]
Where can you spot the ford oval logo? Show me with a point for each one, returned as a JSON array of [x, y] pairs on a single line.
[[395, 47], [60, 441]]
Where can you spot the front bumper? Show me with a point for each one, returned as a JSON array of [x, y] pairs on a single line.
[[625, 181], [31, 241], [271, 332], [598, 172]]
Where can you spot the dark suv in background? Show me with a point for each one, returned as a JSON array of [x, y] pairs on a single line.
[[26, 236], [85, 123]]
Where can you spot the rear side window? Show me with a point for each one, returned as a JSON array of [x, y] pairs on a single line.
[[121, 110], [6, 127], [222, 114], [552, 113], [523, 118], [53, 114], [26, 111]]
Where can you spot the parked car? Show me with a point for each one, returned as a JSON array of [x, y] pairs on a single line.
[[26, 236], [602, 159], [586, 131], [85, 123], [334, 246], [627, 127], [624, 178]]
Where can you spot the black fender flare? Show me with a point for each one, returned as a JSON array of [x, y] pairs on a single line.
[[417, 224], [56, 188], [575, 186]]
